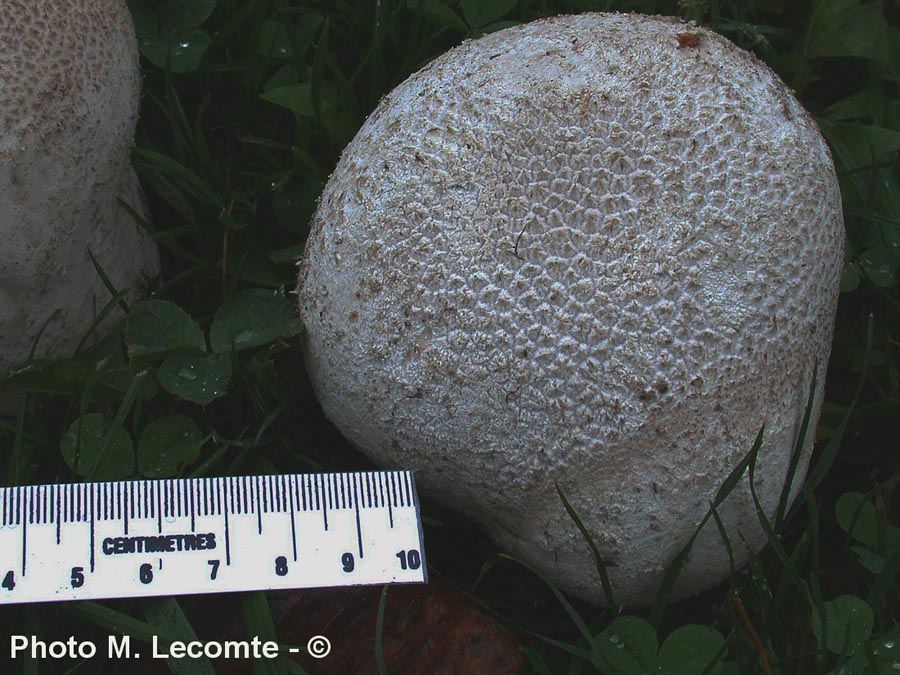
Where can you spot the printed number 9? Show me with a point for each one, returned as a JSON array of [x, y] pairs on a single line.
[[347, 562]]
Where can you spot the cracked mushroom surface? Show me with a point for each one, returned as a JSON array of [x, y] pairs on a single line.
[[596, 251], [69, 93]]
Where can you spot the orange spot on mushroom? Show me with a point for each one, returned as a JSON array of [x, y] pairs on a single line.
[[686, 40]]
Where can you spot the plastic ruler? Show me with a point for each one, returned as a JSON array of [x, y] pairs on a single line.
[[208, 535]]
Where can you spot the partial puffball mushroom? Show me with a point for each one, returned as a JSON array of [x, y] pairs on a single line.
[[69, 89], [598, 252]]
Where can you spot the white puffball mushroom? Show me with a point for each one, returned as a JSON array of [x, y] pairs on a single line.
[[596, 251], [69, 94]]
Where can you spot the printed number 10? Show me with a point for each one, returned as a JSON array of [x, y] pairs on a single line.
[[410, 559]]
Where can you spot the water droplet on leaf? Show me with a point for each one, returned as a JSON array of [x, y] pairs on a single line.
[[243, 336]]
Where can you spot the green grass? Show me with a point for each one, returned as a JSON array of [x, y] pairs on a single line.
[[239, 132]]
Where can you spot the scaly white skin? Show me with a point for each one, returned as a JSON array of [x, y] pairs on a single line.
[[581, 252], [69, 93]]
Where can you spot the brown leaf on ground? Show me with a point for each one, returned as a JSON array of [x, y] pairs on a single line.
[[427, 629]]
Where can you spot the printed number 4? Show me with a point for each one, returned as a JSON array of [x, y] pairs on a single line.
[[9, 581]]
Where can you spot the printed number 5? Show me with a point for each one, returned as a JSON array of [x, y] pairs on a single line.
[[77, 577]]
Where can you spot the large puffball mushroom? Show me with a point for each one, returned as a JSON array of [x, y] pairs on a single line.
[[598, 252], [69, 90]]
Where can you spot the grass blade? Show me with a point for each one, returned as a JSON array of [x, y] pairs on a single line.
[[167, 613], [118, 622], [829, 454], [796, 452], [608, 596], [15, 461], [379, 633], [884, 582], [763, 518], [106, 281], [664, 594], [33, 350], [125, 406], [583, 654], [258, 621], [117, 300], [570, 610], [726, 540], [538, 663]]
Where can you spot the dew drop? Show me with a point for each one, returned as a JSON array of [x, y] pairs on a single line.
[[614, 638], [243, 336], [187, 374], [888, 645]]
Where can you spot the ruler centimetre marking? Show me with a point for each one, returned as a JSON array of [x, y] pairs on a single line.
[[106, 540]]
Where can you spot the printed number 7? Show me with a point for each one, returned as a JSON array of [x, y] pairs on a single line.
[[215, 568]]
